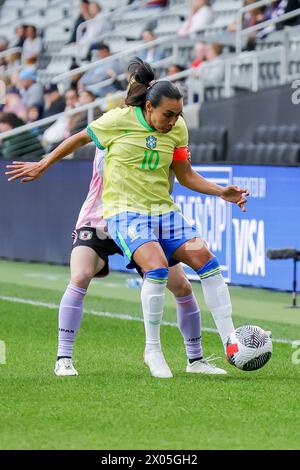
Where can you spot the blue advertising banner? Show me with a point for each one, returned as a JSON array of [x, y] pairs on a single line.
[[210, 214], [240, 240], [36, 220]]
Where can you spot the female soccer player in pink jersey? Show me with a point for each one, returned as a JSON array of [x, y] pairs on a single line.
[[89, 258]]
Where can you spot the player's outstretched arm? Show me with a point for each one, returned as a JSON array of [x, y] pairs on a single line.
[[29, 171], [192, 180]]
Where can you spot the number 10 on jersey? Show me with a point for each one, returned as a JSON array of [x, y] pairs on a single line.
[[151, 160]]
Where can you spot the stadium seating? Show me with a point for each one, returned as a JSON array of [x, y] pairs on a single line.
[[211, 135], [203, 153], [278, 134], [271, 145], [265, 154]]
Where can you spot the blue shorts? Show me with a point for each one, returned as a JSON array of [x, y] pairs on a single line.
[[130, 230]]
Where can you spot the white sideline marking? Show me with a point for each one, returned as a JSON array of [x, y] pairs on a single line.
[[2, 353], [47, 277], [106, 284], [119, 316]]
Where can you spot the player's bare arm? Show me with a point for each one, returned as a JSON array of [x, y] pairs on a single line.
[[192, 180], [30, 171]]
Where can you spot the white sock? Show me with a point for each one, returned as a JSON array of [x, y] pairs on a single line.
[[153, 297], [217, 299]]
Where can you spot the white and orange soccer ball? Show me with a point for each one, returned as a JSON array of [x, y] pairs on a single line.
[[249, 347]]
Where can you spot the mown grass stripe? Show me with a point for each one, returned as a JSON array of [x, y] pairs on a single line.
[[119, 316]]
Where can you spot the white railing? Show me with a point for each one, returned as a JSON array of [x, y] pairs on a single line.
[[130, 50], [228, 64], [197, 84], [110, 81], [194, 82], [7, 71], [140, 23], [49, 120], [109, 15], [253, 58], [12, 50], [240, 32], [119, 55], [35, 11]]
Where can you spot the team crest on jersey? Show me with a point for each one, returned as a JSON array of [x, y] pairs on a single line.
[[132, 233], [151, 142], [85, 235]]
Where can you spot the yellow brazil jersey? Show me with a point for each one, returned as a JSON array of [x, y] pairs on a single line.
[[138, 160]]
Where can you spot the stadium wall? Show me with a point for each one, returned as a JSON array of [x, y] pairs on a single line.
[[273, 106], [36, 219]]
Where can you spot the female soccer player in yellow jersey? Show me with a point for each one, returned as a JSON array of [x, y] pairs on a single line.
[[144, 141]]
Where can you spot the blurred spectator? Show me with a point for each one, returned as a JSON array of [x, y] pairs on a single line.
[[277, 9], [60, 130], [79, 121], [180, 82], [212, 71], [283, 7], [153, 53], [156, 4], [14, 103], [54, 102], [153, 3], [13, 60], [250, 18], [71, 99], [199, 53], [3, 46], [84, 16], [109, 69], [201, 16], [34, 113], [96, 26], [31, 91], [290, 5], [20, 32], [75, 78], [32, 46], [86, 97], [24, 145], [14, 80]]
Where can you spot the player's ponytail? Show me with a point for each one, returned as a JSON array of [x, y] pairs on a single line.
[[141, 76], [143, 87]]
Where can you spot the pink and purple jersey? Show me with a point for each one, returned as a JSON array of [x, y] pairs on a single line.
[[91, 214]]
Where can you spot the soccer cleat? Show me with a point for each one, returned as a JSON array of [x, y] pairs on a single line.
[[202, 366], [157, 364], [64, 367]]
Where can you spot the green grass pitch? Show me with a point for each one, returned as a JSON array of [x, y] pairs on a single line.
[[115, 403]]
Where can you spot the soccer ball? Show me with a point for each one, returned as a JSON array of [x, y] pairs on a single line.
[[249, 347]]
